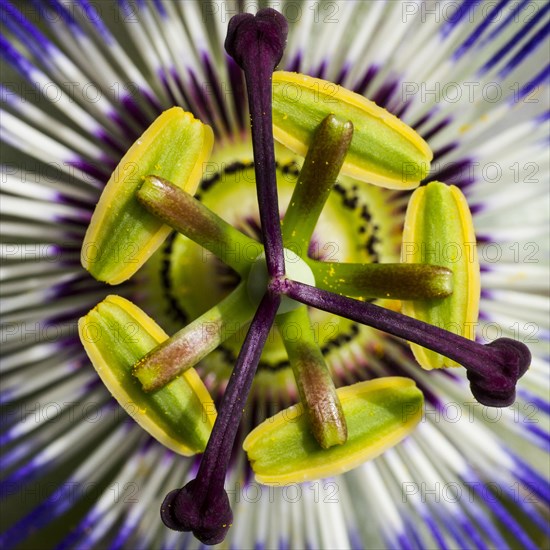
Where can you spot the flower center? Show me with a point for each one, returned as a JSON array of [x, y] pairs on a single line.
[[258, 279], [183, 280]]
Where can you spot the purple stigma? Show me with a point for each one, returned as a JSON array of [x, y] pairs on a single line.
[[493, 369], [202, 506], [209, 518], [257, 44], [498, 389]]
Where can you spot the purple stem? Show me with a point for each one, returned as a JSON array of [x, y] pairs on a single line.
[[493, 369], [215, 463], [202, 506], [257, 44]]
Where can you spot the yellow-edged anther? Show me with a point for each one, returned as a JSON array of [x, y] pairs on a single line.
[[384, 150], [439, 230], [379, 413], [122, 235], [116, 334]]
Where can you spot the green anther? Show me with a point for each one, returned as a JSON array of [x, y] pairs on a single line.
[[392, 281], [379, 413], [192, 343], [122, 234], [384, 150], [439, 231], [115, 334], [315, 386]]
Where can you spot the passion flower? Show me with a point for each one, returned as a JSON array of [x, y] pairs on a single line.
[[66, 144], [342, 430]]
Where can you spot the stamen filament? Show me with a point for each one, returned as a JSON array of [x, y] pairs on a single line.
[[202, 506], [315, 385], [257, 43], [188, 216], [320, 170], [493, 369], [396, 281], [190, 344]]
